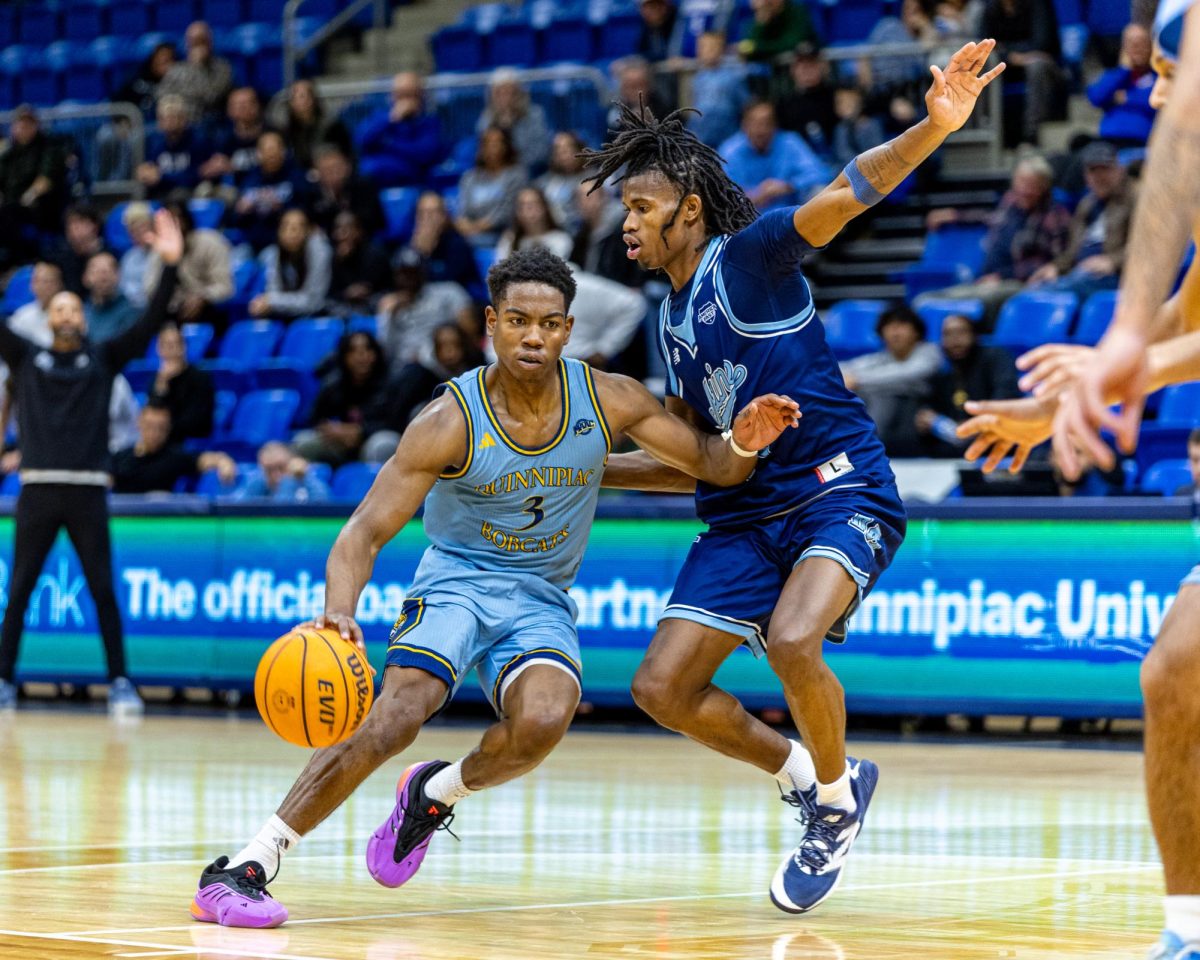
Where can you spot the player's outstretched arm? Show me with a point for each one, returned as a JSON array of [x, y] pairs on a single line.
[[872, 175], [434, 442], [632, 409]]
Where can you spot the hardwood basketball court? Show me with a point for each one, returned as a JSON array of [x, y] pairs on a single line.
[[620, 846]]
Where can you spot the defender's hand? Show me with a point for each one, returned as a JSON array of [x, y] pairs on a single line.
[[763, 419], [952, 96], [1001, 427], [1053, 368]]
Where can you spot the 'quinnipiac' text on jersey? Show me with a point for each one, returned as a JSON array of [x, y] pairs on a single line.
[[511, 509], [745, 325]]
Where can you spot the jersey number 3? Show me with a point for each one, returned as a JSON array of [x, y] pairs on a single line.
[[533, 507]]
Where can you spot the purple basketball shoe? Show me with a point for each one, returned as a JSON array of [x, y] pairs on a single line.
[[396, 849], [236, 896]]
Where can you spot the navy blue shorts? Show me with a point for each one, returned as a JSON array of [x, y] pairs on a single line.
[[732, 577]]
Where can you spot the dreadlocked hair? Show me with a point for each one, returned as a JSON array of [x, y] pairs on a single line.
[[641, 143]]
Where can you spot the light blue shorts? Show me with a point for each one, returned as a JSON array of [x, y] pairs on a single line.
[[457, 617]]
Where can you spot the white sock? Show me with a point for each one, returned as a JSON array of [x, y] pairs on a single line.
[[797, 772], [1183, 917], [268, 848], [837, 794], [446, 786]]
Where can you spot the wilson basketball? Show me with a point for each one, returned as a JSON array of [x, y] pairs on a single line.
[[313, 688]]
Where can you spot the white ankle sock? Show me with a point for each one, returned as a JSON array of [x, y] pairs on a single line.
[[837, 794], [797, 772], [446, 786], [268, 848], [1183, 917]]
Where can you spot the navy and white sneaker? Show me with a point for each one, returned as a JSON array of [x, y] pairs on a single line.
[[123, 699], [8, 696], [1170, 947], [813, 870]]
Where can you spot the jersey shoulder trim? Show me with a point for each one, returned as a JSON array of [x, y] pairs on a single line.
[[763, 331], [507, 440], [595, 398], [462, 404]]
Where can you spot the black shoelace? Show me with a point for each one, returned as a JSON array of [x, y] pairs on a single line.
[[792, 799], [256, 884], [819, 842], [419, 825]]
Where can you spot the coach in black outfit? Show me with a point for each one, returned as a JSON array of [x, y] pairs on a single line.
[[62, 397]]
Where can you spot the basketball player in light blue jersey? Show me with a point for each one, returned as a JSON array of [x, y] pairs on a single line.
[[508, 461], [790, 554]]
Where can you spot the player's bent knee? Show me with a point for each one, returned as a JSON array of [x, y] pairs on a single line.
[[537, 731], [656, 696], [797, 648], [1170, 672], [391, 726]]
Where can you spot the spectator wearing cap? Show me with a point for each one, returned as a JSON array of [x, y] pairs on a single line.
[[203, 80], [82, 239], [510, 109], [657, 40], [174, 152], [205, 274], [282, 476], [774, 167], [106, 309], [779, 26], [298, 267], [1123, 92], [487, 192], [808, 108], [156, 462], [448, 257], [268, 189], [338, 189], [894, 382], [401, 144], [1099, 234], [137, 219], [185, 391], [718, 91], [33, 178], [409, 315], [235, 145], [361, 273]]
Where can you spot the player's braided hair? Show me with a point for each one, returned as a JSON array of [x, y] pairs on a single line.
[[643, 143], [533, 265]]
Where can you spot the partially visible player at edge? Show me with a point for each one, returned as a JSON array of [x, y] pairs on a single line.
[[508, 461], [1074, 387], [789, 555]]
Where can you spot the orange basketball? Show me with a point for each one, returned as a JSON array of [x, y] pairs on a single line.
[[313, 688]]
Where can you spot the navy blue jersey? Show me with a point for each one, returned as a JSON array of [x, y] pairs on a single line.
[[743, 326]]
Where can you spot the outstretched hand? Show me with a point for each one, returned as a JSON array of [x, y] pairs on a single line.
[[167, 238], [1001, 427], [952, 96], [763, 419]]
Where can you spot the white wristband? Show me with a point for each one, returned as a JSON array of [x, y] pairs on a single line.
[[728, 435]]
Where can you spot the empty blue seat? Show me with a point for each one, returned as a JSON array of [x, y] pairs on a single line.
[[130, 18], [399, 211], [1161, 441], [351, 482], [249, 341], [38, 23], [308, 342], [570, 36], [514, 42], [228, 376], [18, 292], [224, 403], [1107, 18], [363, 321], [1180, 404], [8, 24], [959, 245], [934, 310], [141, 374], [209, 484], [619, 35], [207, 212], [11, 485], [849, 21], [220, 14], [485, 258], [457, 47], [287, 375], [263, 415], [1034, 317], [174, 16], [1167, 476], [1094, 317], [85, 20], [850, 326], [197, 337], [248, 282], [85, 77], [42, 77]]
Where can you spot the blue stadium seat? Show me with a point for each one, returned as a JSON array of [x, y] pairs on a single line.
[[197, 337], [141, 373], [18, 292], [38, 24], [400, 211], [85, 20], [11, 485], [1166, 476], [207, 212], [351, 482], [1107, 18], [224, 404], [210, 485], [85, 77], [363, 321], [1161, 441], [222, 14], [960, 245], [173, 16], [12, 67], [263, 415], [247, 342], [228, 376], [485, 257], [248, 282], [1180, 404], [569, 37], [619, 35], [308, 342], [43, 79], [514, 42], [848, 21], [1070, 11], [131, 18], [116, 237], [259, 47], [934, 310], [1094, 317], [850, 326], [8, 24], [457, 47], [1034, 317], [288, 375]]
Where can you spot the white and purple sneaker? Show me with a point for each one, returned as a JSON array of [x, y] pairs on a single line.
[[236, 896], [397, 848]]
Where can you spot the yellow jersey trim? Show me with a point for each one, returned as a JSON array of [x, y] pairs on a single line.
[[591, 387], [417, 617], [431, 655], [462, 403], [508, 441]]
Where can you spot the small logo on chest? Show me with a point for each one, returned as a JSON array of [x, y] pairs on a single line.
[[707, 314], [486, 442], [584, 427]]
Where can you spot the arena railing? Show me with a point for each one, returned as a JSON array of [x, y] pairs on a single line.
[[295, 50], [111, 138]]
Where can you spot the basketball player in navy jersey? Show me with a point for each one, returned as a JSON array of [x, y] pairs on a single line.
[[508, 461], [790, 554]]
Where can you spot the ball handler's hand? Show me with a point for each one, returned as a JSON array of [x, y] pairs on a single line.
[[346, 626], [1000, 427], [763, 419]]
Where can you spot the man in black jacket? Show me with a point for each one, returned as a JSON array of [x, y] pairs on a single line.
[[62, 395]]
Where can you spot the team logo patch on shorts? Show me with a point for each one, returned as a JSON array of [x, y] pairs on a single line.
[[869, 529], [583, 427]]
